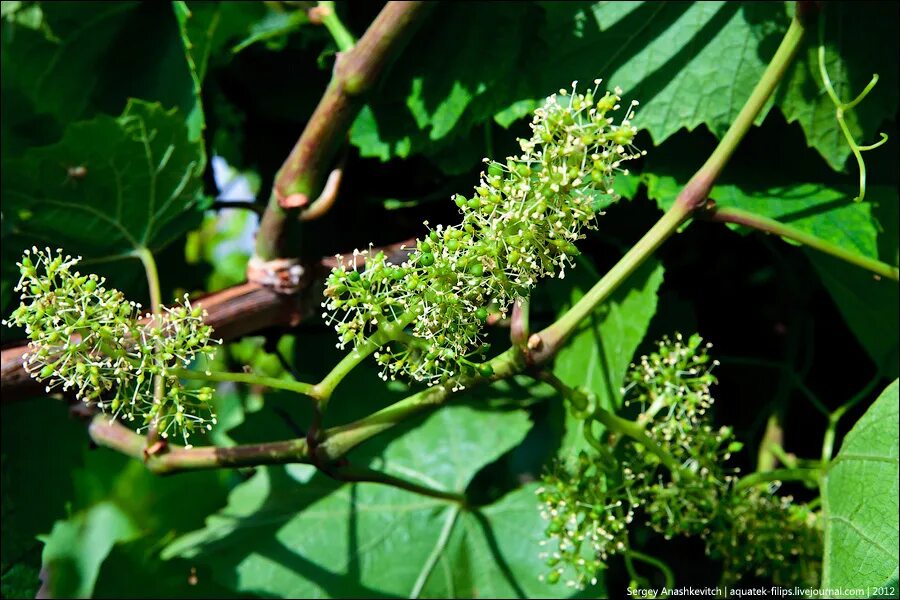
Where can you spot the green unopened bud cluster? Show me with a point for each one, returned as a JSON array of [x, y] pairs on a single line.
[[519, 226], [588, 509], [591, 502], [89, 339], [672, 386], [759, 533]]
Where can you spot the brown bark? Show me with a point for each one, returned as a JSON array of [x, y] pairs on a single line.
[[234, 312]]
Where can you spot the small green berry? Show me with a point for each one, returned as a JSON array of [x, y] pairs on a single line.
[[485, 370]]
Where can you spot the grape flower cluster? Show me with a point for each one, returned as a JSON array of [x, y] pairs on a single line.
[[519, 226], [591, 501], [89, 339]]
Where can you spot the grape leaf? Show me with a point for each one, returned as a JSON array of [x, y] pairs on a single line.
[[315, 538], [600, 351], [25, 14], [205, 28], [36, 476], [688, 64], [869, 306], [76, 548], [851, 33], [89, 58], [140, 176], [494, 552], [158, 509], [432, 99], [197, 28], [826, 210], [859, 493], [57, 67]]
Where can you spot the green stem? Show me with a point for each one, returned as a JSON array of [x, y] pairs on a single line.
[[761, 93], [553, 337], [667, 572], [788, 460], [761, 223], [614, 422], [146, 258], [387, 332], [334, 443], [339, 440], [273, 382], [766, 457], [637, 433], [366, 475], [578, 399], [342, 36], [175, 459], [159, 384], [835, 417], [303, 174], [436, 552], [828, 439], [323, 390], [810, 476]]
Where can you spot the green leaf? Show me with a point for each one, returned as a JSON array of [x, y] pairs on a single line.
[[315, 538], [687, 64], [273, 27], [36, 476], [140, 176], [859, 492], [600, 351], [851, 34], [197, 29], [868, 304], [58, 67], [159, 509], [205, 28], [20, 581], [429, 100], [495, 553], [76, 548], [664, 54], [25, 14]]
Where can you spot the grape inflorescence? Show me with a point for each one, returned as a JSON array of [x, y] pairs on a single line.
[[520, 225]]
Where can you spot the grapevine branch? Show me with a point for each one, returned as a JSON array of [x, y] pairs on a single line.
[[304, 173], [334, 443], [244, 309], [767, 225], [691, 199]]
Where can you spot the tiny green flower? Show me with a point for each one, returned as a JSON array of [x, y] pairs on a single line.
[[519, 226], [590, 504], [89, 339]]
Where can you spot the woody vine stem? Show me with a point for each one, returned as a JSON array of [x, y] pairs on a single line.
[[303, 176], [527, 355]]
